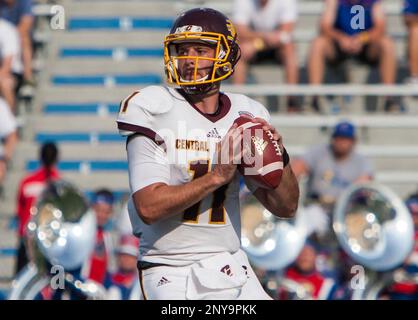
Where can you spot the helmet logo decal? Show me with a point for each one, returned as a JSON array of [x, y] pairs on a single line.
[[231, 29], [189, 28]]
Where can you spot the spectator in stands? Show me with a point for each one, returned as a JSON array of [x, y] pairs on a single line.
[[121, 283], [333, 167], [31, 187], [411, 21], [8, 137], [304, 272], [98, 264], [19, 13], [360, 35], [265, 31], [10, 61], [330, 169]]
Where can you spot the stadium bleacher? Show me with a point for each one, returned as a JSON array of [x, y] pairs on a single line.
[[113, 47]]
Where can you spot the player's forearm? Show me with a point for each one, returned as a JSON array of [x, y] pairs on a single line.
[[166, 200], [282, 201]]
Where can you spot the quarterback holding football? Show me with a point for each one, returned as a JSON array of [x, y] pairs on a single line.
[[187, 151]]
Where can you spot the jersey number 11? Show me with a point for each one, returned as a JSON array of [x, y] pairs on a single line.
[[217, 211]]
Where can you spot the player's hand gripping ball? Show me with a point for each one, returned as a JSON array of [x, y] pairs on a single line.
[[262, 160]]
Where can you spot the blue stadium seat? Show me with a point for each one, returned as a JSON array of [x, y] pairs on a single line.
[[116, 23], [100, 80], [80, 165], [79, 137], [77, 108], [8, 252], [92, 52]]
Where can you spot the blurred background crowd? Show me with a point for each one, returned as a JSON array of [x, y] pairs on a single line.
[[348, 116]]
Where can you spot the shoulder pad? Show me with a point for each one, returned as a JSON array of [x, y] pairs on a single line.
[[154, 99], [139, 109]]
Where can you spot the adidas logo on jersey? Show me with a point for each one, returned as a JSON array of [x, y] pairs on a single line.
[[163, 281], [214, 134]]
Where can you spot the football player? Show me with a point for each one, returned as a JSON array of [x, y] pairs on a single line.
[[185, 203]]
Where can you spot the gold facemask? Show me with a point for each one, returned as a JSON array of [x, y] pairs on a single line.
[[221, 68]]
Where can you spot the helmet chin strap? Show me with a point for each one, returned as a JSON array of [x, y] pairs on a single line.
[[199, 89]]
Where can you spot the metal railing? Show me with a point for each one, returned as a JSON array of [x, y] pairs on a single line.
[[325, 89]]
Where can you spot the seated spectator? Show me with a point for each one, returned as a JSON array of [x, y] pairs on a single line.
[[19, 13], [341, 38], [30, 188], [265, 29], [304, 272], [100, 261], [411, 20], [333, 167], [121, 283], [330, 169], [10, 61], [8, 137]]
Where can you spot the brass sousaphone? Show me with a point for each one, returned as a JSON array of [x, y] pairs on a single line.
[[375, 228], [61, 233]]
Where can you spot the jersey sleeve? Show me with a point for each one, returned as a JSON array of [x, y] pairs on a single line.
[[139, 112], [148, 163]]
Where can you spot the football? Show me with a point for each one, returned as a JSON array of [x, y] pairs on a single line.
[[262, 162]]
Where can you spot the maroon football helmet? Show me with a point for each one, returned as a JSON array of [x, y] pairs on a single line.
[[208, 26]]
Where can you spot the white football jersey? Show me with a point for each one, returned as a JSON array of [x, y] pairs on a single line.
[[175, 143]]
